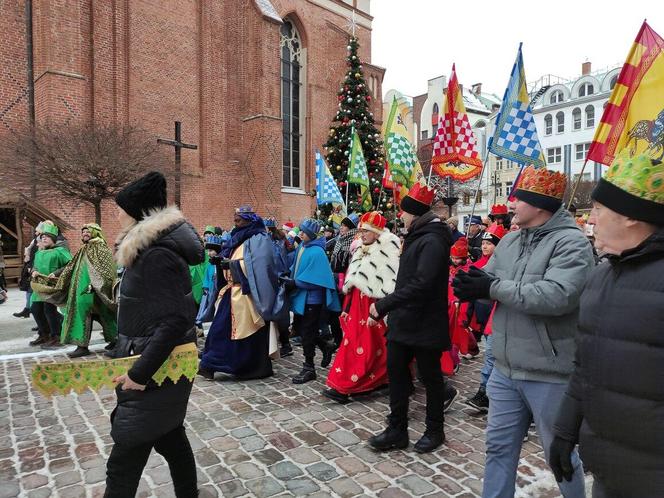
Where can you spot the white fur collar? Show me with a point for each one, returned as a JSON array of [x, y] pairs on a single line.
[[140, 235], [373, 268]]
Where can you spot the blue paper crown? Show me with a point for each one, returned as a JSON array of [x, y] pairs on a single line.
[[214, 240], [244, 210], [270, 222]]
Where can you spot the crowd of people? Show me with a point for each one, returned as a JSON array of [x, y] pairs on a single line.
[[383, 307]]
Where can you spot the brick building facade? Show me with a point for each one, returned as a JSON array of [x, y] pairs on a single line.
[[215, 66]]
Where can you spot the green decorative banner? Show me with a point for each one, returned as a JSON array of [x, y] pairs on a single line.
[[62, 378]]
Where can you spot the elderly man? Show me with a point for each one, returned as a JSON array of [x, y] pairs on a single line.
[[536, 276], [475, 238], [614, 405]]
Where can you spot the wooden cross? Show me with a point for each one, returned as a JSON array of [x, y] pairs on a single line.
[[179, 145]]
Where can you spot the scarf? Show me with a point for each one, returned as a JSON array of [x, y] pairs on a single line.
[[341, 253]]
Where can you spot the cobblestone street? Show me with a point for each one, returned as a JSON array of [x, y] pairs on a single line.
[[258, 438]]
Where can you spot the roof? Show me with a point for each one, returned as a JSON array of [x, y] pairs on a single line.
[[34, 211]]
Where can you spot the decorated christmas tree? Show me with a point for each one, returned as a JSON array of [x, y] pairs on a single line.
[[354, 114]]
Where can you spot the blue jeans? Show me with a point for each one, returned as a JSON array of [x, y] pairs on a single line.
[[487, 368], [511, 405]]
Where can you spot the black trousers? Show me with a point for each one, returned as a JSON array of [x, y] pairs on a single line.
[[49, 321], [307, 325], [399, 357], [284, 333], [335, 325], [126, 464]]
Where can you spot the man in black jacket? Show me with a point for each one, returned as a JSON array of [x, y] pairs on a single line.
[[614, 404], [417, 323], [156, 313]]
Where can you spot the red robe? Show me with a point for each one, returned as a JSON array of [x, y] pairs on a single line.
[[461, 337], [360, 364]]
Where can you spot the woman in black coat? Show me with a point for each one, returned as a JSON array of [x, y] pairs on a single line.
[[156, 313]]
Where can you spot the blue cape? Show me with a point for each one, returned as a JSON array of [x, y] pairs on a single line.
[[313, 268], [263, 271]]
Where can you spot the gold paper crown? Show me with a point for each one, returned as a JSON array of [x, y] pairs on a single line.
[[542, 181], [637, 176]]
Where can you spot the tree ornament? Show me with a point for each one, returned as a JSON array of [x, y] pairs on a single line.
[[388, 205], [357, 75], [376, 190], [338, 168], [340, 97], [368, 97], [349, 48], [372, 162], [349, 100]]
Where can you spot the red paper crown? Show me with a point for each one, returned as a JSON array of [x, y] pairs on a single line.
[[373, 221], [542, 181], [498, 209], [497, 230], [460, 248], [421, 193]]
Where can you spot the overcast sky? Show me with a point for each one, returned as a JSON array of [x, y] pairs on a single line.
[[416, 40]]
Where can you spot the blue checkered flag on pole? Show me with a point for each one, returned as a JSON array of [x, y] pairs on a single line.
[[516, 137], [327, 191]]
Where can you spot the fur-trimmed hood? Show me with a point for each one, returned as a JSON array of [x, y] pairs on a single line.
[[162, 227], [373, 268]]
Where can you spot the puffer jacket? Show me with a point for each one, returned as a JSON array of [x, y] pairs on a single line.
[[156, 312], [540, 274], [614, 404], [417, 309]]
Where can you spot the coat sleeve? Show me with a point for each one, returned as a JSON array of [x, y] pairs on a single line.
[[570, 411], [167, 286], [559, 290], [420, 283]]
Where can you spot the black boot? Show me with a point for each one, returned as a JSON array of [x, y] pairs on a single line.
[[480, 401], [429, 441], [335, 395], [327, 348], [25, 313], [78, 352], [39, 340], [390, 439], [110, 346], [450, 396], [205, 373], [307, 374]]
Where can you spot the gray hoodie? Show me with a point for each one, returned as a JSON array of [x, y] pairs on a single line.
[[540, 275]]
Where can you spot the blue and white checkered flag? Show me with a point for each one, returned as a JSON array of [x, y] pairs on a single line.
[[515, 137], [327, 191]]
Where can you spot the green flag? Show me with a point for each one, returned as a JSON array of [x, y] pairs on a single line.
[[357, 171]]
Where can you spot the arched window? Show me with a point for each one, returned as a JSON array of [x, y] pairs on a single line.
[[614, 80], [548, 124], [434, 119], [590, 116], [576, 119], [586, 89], [560, 122], [556, 97], [291, 105]]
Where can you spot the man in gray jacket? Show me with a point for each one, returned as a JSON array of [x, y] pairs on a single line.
[[536, 276]]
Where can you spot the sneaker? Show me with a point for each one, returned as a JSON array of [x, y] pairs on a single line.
[[286, 350], [480, 401], [450, 396], [79, 352], [335, 395], [307, 374]]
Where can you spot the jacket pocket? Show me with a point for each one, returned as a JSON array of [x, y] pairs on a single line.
[[545, 339]]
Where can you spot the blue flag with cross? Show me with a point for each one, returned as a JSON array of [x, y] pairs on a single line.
[[515, 136], [327, 191]]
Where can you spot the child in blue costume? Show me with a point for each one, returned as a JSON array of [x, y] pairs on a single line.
[[313, 288]]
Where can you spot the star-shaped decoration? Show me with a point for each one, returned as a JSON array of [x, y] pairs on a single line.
[[338, 370], [363, 322], [352, 24]]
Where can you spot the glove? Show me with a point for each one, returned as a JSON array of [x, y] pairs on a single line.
[[289, 283], [475, 284], [560, 459]]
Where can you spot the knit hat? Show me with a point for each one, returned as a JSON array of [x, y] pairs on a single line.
[[633, 187], [311, 227], [373, 221], [541, 188], [351, 221], [494, 233], [453, 220], [142, 195], [418, 200], [460, 248]]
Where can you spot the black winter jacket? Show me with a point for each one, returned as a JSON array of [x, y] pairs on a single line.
[[418, 306], [156, 312], [614, 404]]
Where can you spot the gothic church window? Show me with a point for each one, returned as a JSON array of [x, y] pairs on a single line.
[[292, 105]]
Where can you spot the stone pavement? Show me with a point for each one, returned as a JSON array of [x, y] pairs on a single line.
[[257, 438]]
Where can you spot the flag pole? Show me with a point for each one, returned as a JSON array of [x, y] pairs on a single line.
[[380, 196], [350, 159], [576, 184], [479, 185]]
